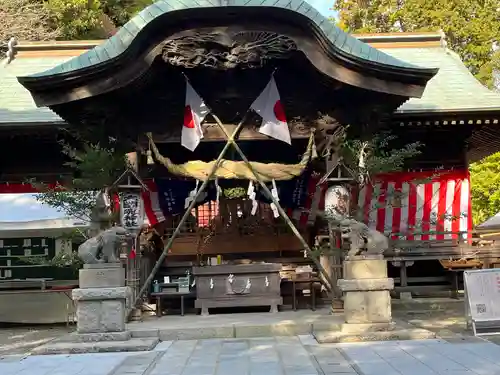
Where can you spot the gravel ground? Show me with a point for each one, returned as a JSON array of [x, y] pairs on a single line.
[[20, 340], [444, 323]]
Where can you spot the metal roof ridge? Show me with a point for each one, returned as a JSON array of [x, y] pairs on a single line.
[[25, 45], [57, 45], [400, 37]]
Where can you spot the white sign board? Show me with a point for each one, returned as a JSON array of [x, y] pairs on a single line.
[[482, 297]]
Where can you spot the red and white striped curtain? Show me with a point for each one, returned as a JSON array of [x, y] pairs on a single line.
[[419, 205], [152, 209], [413, 206]]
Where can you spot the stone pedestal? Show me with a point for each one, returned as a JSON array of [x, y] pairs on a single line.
[[101, 299], [367, 305], [101, 313], [366, 289]]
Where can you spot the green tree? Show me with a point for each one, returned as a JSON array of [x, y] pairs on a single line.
[[471, 26], [94, 167], [485, 179], [35, 20], [121, 11], [85, 19], [76, 19], [26, 20]]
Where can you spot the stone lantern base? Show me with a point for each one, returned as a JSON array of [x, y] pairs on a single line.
[[101, 299], [366, 289], [367, 304], [101, 315]]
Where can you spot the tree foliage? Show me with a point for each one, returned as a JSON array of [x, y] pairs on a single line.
[[94, 167], [62, 259], [485, 179], [36, 20], [76, 19], [379, 154], [26, 20], [471, 26]]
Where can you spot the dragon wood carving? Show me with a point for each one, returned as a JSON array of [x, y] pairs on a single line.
[[226, 49]]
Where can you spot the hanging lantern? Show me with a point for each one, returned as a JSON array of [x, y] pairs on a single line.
[[338, 196], [131, 203], [131, 210], [337, 202]]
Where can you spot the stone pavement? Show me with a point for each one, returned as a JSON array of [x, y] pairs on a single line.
[[293, 355]]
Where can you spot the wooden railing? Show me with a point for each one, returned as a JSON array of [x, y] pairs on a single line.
[[464, 246]]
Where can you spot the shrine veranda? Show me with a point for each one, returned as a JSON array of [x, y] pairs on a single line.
[[134, 84]]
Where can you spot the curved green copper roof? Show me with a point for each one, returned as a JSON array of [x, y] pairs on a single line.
[[344, 43]]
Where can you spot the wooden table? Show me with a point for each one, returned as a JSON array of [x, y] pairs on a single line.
[[164, 286], [171, 295], [311, 283], [453, 268]]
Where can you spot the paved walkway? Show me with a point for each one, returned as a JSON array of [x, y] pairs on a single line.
[[296, 355]]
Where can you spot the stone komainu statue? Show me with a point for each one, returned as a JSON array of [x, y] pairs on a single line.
[[101, 216], [105, 247], [363, 239]]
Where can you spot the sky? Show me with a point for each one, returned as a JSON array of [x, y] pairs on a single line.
[[24, 207], [323, 6]]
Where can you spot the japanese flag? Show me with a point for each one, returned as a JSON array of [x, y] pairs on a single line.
[[195, 111], [268, 106]]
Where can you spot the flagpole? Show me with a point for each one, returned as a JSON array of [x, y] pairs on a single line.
[[230, 141], [307, 249], [282, 212]]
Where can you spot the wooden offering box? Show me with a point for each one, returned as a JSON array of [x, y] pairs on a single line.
[[238, 285]]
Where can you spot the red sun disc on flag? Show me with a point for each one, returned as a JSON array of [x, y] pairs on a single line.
[[279, 111], [188, 117]]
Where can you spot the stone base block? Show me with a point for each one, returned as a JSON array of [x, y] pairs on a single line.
[[195, 333], [100, 310], [132, 345], [135, 314], [367, 307], [367, 327], [337, 305], [102, 276], [100, 316], [405, 296], [96, 337], [99, 294], [280, 329], [365, 267], [365, 285], [383, 335]]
